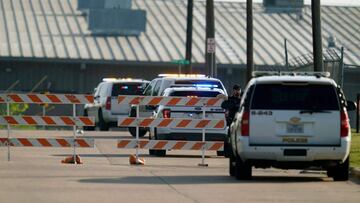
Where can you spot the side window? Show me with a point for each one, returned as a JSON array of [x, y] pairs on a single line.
[[156, 88], [97, 90], [246, 100], [149, 88], [103, 91]]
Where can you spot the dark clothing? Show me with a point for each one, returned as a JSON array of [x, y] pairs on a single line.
[[235, 104]]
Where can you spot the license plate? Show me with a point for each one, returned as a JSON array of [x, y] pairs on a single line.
[[295, 140], [291, 128]]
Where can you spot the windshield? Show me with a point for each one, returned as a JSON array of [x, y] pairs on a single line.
[[194, 94], [295, 97], [127, 89]]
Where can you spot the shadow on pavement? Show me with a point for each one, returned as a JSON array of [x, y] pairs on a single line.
[[180, 180]]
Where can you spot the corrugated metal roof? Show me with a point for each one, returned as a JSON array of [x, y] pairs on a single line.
[[56, 29]]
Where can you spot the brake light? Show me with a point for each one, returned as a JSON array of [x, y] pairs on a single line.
[[245, 127], [345, 127], [166, 113], [108, 103]]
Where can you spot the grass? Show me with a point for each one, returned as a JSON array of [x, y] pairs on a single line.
[[355, 150]]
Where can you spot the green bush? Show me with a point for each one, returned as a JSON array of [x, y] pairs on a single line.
[[15, 109]]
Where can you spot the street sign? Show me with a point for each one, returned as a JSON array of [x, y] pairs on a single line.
[[211, 45], [181, 62]]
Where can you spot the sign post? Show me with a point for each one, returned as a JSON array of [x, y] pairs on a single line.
[[180, 62]]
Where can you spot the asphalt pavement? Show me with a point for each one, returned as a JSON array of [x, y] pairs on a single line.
[[35, 175]]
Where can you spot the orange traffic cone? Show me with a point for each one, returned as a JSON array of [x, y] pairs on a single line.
[[133, 160], [70, 160]]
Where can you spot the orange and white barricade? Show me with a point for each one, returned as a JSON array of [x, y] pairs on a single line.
[[74, 121], [47, 120], [202, 124], [169, 101], [170, 145], [172, 123], [47, 142], [47, 98]]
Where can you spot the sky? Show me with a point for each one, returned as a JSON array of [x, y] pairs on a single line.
[[323, 2]]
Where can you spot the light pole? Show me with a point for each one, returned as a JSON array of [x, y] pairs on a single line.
[[317, 39], [189, 29], [210, 40], [249, 40]]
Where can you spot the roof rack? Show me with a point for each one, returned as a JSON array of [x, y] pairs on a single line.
[[286, 73]]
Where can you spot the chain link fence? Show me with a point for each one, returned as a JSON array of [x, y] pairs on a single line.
[[333, 63]]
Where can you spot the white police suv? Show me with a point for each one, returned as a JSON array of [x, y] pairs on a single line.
[[188, 112], [158, 85], [106, 108], [291, 121]]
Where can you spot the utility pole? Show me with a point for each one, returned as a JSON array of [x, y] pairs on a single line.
[[317, 38], [286, 54], [210, 39], [189, 29], [249, 40]]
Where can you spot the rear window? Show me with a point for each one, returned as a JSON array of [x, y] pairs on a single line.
[[127, 89], [294, 97], [200, 83], [194, 94]]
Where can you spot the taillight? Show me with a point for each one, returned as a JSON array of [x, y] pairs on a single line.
[[108, 103], [245, 121], [166, 113], [345, 127]]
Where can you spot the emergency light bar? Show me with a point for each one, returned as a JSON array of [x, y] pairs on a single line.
[[183, 75]]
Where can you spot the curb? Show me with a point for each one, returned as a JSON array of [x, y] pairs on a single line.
[[355, 172]]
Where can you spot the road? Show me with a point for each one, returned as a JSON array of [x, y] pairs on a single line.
[[35, 175]]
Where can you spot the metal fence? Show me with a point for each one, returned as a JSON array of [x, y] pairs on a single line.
[[333, 63]]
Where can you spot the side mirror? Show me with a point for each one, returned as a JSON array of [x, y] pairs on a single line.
[[350, 105]]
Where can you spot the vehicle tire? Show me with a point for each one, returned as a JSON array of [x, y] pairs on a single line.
[[102, 124], [232, 162], [220, 153], [88, 128], [227, 149], [158, 152], [243, 170], [151, 151], [341, 171], [132, 130], [142, 131]]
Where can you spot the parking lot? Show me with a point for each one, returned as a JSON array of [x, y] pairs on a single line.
[[36, 175]]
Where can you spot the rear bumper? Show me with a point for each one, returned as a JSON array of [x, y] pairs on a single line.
[[276, 153], [190, 136]]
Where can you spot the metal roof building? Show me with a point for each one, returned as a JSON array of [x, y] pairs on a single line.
[[56, 29]]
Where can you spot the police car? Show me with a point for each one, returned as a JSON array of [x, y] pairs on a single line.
[[188, 112], [106, 108], [158, 85], [291, 121]]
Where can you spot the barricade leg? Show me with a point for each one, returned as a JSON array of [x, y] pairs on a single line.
[[8, 131], [137, 160], [203, 140], [74, 132]]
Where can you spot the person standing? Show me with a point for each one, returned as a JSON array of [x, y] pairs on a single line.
[[232, 104]]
